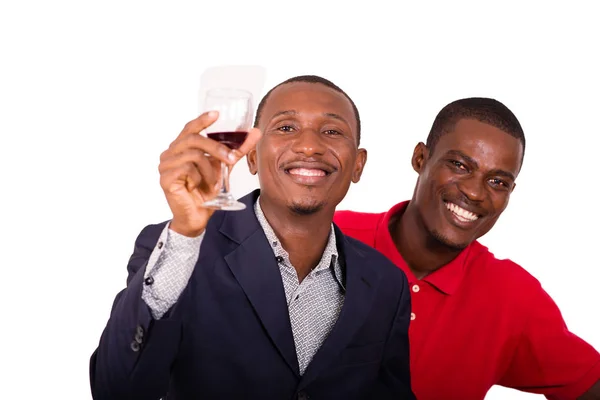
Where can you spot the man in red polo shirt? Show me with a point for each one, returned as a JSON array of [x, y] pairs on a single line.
[[477, 321]]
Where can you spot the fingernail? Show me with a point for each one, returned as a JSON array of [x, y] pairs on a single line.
[[212, 114], [232, 157]]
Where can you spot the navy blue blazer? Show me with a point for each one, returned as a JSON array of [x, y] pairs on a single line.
[[229, 335]]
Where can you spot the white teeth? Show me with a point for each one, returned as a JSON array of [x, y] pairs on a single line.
[[306, 172], [461, 213]]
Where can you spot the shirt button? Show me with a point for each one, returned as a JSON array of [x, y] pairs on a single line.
[[279, 259], [416, 288], [149, 280], [159, 245], [412, 316]]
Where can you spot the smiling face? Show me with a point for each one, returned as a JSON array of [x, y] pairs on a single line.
[[309, 154], [465, 184]]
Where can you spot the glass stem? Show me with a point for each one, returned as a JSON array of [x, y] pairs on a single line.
[[225, 179]]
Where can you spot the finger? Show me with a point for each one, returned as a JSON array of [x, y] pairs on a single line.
[[210, 175], [206, 145], [253, 137], [199, 124], [194, 156], [188, 175]]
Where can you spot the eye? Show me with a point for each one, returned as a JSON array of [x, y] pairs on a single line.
[[285, 128], [458, 165], [332, 132], [499, 183]]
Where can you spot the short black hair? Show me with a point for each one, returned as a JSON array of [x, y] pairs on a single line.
[[483, 109], [310, 79]]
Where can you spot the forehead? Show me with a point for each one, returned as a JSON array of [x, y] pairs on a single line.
[[308, 99], [490, 147]]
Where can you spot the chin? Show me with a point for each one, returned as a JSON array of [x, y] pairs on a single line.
[[306, 206], [454, 242]]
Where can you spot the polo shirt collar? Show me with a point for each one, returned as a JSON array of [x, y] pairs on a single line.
[[446, 279]]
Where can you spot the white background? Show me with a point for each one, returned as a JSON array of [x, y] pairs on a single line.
[[92, 92]]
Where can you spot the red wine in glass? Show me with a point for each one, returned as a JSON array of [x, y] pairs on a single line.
[[233, 140], [231, 128]]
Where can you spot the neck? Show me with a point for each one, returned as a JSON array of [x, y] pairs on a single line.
[[304, 237], [420, 250]]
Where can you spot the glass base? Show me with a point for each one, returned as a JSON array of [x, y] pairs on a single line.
[[225, 202]]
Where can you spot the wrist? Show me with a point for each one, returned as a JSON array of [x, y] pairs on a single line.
[[184, 230]]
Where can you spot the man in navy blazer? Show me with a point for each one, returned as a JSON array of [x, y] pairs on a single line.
[[272, 302]]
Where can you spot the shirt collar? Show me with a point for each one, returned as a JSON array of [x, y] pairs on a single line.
[[330, 255], [446, 279]]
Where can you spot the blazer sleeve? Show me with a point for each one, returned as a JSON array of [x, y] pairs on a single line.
[[135, 353], [394, 376]]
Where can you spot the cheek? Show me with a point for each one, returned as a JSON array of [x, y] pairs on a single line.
[[266, 158], [345, 158], [433, 182], [500, 202], [443, 176]]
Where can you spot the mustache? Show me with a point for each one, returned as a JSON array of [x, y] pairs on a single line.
[[310, 163]]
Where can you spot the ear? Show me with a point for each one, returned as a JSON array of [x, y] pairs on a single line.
[[359, 165], [419, 157], [251, 160], [513, 188]]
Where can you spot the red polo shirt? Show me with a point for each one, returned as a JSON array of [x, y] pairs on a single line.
[[479, 321]]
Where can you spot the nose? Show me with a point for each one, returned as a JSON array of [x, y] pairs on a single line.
[[473, 188], [309, 142]]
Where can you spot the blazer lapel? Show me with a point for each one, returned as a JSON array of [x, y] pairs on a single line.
[[361, 287], [254, 266]]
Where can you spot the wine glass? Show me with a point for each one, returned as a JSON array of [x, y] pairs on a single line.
[[231, 129]]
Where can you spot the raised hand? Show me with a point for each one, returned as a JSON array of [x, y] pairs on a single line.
[[190, 173]]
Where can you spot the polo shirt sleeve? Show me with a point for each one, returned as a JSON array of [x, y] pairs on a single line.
[[549, 359]]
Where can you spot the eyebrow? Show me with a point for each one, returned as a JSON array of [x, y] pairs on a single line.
[[294, 112], [287, 112], [336, 116], [474, 163], [463, 156]]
